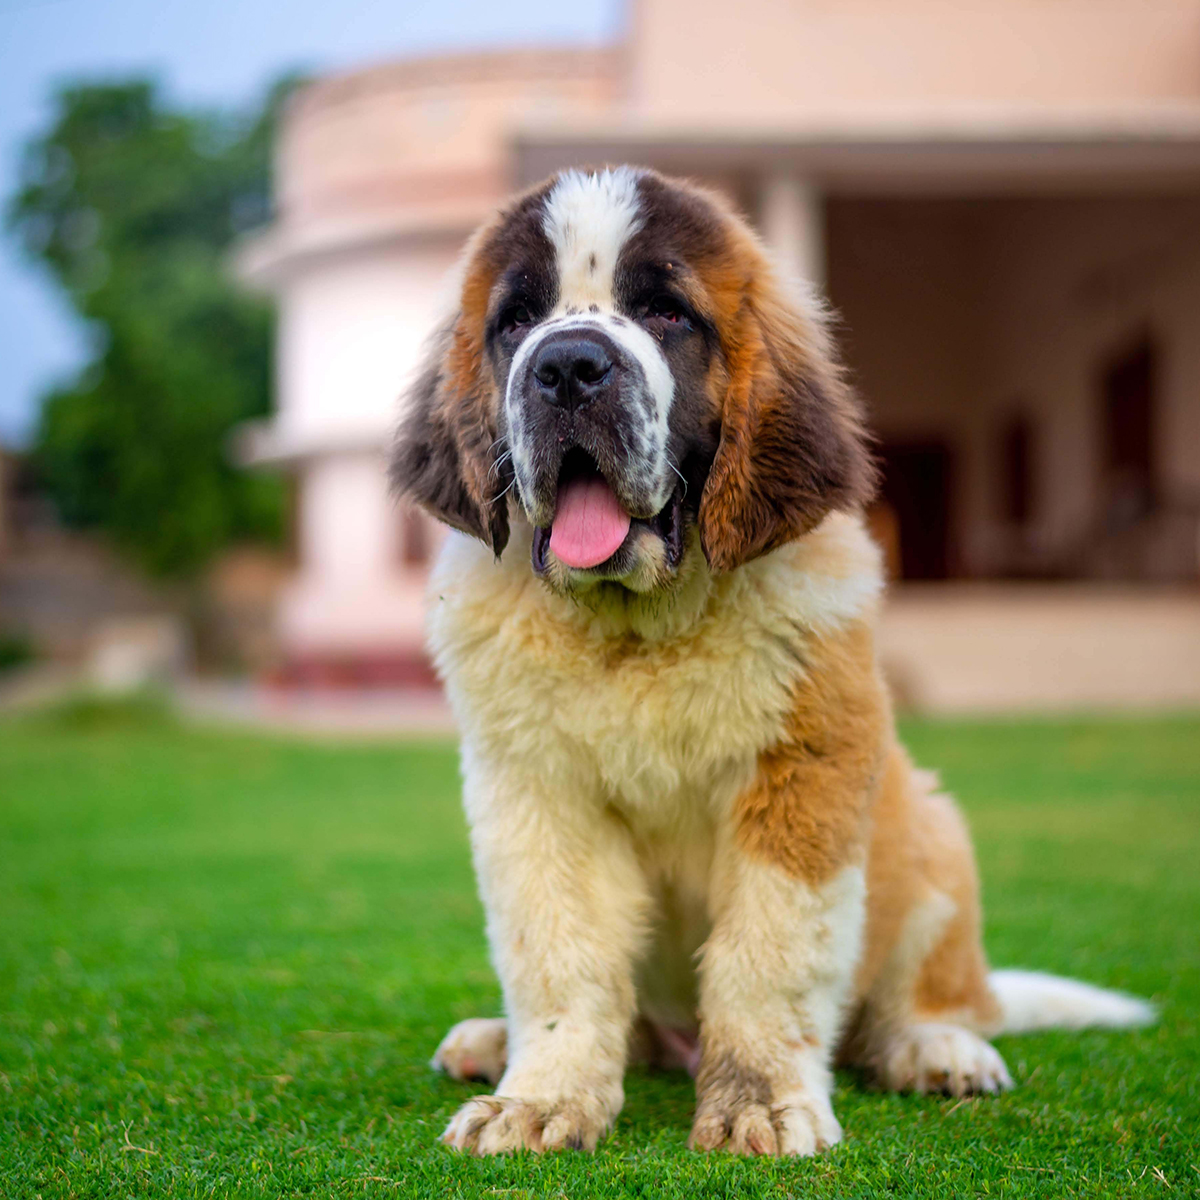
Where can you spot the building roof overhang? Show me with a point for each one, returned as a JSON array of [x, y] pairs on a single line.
[[263, 258], [977, 152], [271, 442], [948, 153]]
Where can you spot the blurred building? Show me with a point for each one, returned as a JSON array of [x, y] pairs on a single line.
[[75, 603], [1002, 201]]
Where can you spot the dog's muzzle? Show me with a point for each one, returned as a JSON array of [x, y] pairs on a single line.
[[586, 409]]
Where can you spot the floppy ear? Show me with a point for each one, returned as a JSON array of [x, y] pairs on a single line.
[[444, 455], [792, 445]]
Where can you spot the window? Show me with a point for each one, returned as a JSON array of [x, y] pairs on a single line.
[[414, 538], [1127, 421]]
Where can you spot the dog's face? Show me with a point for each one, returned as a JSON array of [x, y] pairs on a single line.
[[623, 369]]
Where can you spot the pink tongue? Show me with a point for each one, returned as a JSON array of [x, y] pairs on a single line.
[[589, 525]]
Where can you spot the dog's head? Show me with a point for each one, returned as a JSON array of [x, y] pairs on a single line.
[[624, 367]]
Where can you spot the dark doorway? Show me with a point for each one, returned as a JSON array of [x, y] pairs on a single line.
[[1127, 424], [1018, 471], [917, 485]]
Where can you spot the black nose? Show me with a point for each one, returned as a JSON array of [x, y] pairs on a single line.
[[571, 371]]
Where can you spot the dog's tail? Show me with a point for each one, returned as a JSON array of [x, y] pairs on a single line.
[[1031, 1000]]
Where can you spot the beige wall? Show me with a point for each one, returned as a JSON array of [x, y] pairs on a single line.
[[353, 594], [351, 328], [992, 648], [953, 308], [419, 136], [779, 60]]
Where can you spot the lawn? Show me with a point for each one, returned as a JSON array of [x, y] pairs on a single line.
[[226, 959]]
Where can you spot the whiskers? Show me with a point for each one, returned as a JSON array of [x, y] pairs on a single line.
[[512, 484], [497, 464], [677, 471], [494, 469]]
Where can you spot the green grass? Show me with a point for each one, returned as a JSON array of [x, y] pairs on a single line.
[[225, 961]]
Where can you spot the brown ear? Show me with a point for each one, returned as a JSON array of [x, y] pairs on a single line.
[[792, 445], [444, 457]]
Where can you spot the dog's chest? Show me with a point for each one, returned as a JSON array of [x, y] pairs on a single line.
[[671, 725], [656, 727]]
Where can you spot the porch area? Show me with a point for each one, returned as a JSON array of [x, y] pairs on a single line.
[[992, 648], [1017, 303]]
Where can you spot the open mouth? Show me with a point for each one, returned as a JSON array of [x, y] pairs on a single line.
[[591, 529]]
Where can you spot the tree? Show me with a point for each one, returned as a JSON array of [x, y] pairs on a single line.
[[132, 206]]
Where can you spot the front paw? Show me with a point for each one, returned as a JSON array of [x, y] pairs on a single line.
[[501, 1124], [745, 1121]]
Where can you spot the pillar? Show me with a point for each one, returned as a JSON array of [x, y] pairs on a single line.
[[793, 225]]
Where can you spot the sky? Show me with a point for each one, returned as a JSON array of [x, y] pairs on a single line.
[[206, 52]]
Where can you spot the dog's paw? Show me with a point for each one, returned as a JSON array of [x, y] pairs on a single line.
[[501, 1124], [934, 1057], [802, 1125], [474, 1049]]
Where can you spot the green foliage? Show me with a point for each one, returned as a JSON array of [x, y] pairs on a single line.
[[133, 206], [225, 961], [15, 650]]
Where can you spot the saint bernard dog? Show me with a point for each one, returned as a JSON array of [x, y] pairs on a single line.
[[698, 840]]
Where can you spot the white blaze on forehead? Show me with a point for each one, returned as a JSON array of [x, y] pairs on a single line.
[[588, 219]]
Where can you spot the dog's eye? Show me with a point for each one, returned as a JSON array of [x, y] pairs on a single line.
[[665, 308], [514, 317]]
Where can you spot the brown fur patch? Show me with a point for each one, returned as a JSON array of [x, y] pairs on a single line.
[[723, 1073], [808, 807], [792, 447], [895, 880], [953, 977]]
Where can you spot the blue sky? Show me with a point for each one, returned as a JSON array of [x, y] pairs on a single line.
[[207, 51]]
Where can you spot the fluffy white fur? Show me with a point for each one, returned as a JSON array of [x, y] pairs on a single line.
[[598, 805], [1033, 1000], [589, 218]]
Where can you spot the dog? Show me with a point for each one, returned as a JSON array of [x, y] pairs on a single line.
[[697, 838]]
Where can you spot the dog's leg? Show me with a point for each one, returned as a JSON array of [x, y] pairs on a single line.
[[788, 904], [928, 1008], [566, 908], [774, 977], [907, 1046]]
